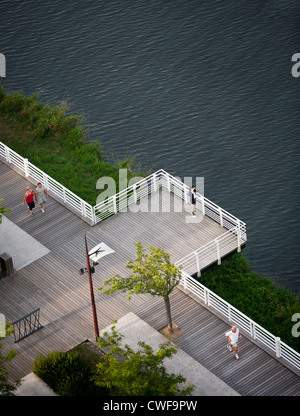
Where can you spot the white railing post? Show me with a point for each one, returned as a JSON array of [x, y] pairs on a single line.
[[134, 193], [93, 215], [229, 313], [26, 168], [45, 178], [238, 236], [203, 205], [205, 296], [221, 216], [198, 265], [277, 347], [64, 195], [218, 252], [168, 183], [186, 199], [252, 328], [115, 204], [7, 155], [154, 182], [83, 208]]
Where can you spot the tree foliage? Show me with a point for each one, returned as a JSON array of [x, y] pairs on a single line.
[[6, 387], [3, 210], [151, 273], [125, 372]]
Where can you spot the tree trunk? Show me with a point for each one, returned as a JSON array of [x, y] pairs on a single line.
[[168, 309]]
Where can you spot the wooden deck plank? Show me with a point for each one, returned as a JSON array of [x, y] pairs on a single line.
[[53, 283]]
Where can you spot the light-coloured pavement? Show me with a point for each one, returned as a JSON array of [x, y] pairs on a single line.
[[134, 330], [23, 248]]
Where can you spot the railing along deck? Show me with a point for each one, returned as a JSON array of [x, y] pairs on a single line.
[[233, 238], [233, 315]]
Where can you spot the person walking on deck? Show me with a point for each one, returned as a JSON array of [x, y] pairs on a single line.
[[40, 195], [29, 195], [193, 201], [233, 337]]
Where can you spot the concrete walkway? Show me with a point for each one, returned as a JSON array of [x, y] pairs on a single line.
[[32, 385], [134, 330], [23, 248]]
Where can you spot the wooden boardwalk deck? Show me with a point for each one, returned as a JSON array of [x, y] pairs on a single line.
[[53, 284]]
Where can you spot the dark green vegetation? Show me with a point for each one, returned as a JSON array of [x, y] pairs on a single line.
[[57, 142], [6, 387], [119, 371], [3, 210], [69, 373], [256, 296]]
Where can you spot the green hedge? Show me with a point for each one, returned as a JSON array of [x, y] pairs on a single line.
[[67, 374], [256, 296]]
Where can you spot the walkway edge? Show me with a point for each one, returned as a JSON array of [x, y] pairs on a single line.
[[206, 383]]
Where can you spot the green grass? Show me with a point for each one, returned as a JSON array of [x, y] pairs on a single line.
[[57, 143], [267, 304]]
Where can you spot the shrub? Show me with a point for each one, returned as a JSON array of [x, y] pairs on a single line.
[[66, 373]]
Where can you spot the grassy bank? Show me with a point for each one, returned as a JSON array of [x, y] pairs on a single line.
[[256, 296], [57, 143]]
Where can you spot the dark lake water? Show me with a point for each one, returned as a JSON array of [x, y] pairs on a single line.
[[198, 88]]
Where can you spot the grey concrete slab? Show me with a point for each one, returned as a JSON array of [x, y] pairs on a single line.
[[32, 385], [22, 247], [134, 330], [206, 383]]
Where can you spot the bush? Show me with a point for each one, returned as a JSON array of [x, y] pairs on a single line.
[[67, 374]]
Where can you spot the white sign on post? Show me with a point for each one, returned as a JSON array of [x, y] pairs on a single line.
[[99, 251]]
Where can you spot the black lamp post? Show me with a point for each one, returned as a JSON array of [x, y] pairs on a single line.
[[98, 251]]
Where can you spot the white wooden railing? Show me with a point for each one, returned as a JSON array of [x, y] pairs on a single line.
[[213, 251], [57, 190], [120, 201], [146, 186], [236, 317], [234, 237]]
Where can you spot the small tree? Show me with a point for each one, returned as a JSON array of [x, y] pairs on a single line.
[[151, 273], [125, 372], [3, 210], [6, 387]]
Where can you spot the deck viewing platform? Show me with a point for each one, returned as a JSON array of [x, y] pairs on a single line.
[[52, 283]]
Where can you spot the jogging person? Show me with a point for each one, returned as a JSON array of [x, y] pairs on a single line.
[[233, 337]]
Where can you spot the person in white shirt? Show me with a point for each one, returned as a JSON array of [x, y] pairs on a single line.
[[233, 337]]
